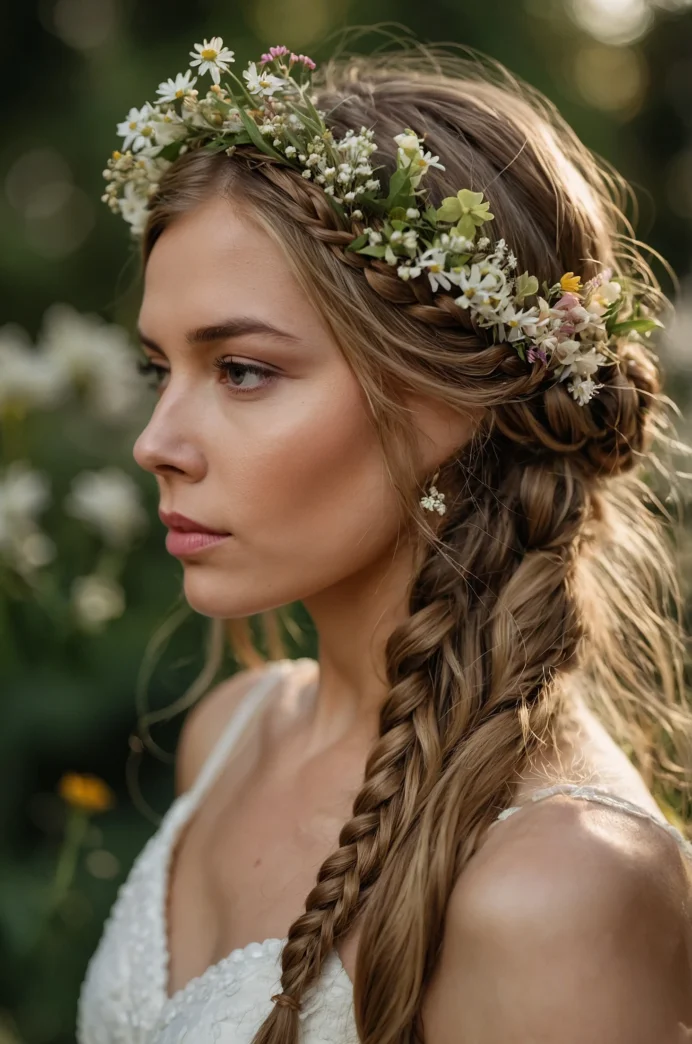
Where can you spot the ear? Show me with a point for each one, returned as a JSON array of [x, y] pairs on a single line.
[[443, 428]]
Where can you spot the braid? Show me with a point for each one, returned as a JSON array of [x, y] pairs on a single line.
[[492, 708]]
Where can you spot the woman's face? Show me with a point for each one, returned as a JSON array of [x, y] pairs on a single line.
[[285, 460]]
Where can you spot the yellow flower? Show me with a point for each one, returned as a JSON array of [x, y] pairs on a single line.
[[85, 792], [571, 283]]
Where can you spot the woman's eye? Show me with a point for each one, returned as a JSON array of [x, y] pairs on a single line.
[[238, 370], [234, 371]]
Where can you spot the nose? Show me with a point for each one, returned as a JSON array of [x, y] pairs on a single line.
[[165, 447]]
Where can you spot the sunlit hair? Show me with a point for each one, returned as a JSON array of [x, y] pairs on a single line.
[[550, 579]]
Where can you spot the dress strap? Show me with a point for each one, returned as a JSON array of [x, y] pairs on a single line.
[[604, 797], [247, 707]]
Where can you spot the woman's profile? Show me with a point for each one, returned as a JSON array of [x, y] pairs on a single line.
[[400, 333]]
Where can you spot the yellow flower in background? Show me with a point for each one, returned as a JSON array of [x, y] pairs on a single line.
[[571, 283], [88, 793]]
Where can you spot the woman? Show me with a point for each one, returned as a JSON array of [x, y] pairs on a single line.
[[399, 333]]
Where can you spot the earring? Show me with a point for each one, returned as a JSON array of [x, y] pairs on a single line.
[[434, 501]]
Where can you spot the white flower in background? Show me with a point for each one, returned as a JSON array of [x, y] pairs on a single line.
[[97, 358], [96, 600], [212, 57], [24, 493], [27, 379], [137, 129], [109, 500], [263, 83], [170, 90]]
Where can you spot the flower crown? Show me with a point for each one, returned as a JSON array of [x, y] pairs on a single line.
[[569, 326]]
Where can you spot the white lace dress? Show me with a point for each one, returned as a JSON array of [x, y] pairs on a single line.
[[124, 997]]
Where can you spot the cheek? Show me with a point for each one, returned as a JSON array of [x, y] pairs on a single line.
[[317, 491]]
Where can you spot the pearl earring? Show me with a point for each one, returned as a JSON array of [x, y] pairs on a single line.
[[434, 501]]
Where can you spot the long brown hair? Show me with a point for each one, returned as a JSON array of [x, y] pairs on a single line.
[[551, 576]]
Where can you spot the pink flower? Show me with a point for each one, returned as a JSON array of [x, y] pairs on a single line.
[[567, 302], [307, 62], [273, 52]]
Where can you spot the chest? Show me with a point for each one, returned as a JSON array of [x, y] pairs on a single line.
[[243, 866]]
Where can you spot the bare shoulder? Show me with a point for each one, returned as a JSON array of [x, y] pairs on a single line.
[[207, 719], [572, 922]]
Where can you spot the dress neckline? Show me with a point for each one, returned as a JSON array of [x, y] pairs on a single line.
[[178, 817]]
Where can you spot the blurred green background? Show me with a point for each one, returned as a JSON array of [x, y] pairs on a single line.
[[85, 581]]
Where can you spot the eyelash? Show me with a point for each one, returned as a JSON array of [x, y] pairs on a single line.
[[147, 367]]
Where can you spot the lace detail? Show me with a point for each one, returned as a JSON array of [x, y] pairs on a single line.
[[603, 797], [123, 998]]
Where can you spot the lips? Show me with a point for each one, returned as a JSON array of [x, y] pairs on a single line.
[[182, 524], [186, 536]]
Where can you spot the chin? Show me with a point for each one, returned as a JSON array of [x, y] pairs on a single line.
[[213, 597]]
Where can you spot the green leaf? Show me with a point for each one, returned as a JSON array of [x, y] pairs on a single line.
[[520, 351], [249, 100], [170, 151], [430, 215], [640, 325], [315, 127], [374, 251], [357, 243], [257, 137], [312, 111], [398, 183]]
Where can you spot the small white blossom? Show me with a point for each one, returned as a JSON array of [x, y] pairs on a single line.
[[133, 207], [170, 90], [24, 493], [96, 599], [583, 390], [212, 57], [262, 83], [110, 501], [137, 129], [434, 261]]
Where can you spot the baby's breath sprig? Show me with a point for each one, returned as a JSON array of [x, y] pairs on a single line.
[[570, 327]]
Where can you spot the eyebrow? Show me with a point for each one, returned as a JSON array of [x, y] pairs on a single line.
[[223, 331]]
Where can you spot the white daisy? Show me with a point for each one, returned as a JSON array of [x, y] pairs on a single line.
[[261, 82], [212, 57], [434, 260], [520, 322], [476, 285], [137, 129], [171, 90]]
